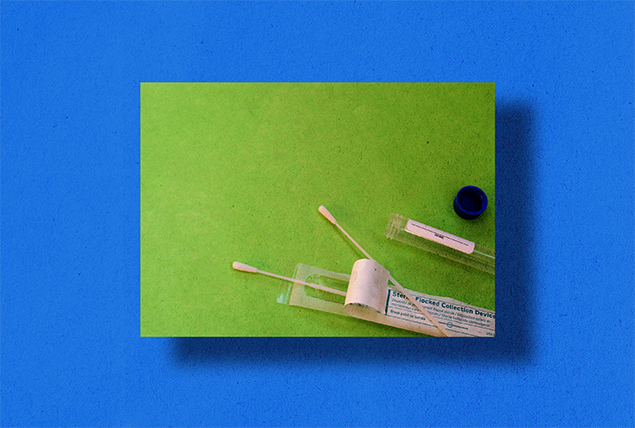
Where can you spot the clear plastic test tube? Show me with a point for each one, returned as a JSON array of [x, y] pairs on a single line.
[[441, 243]]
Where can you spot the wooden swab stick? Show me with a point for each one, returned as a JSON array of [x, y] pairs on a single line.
[[398, 286]]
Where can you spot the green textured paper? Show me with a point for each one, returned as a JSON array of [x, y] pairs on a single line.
[[237, 171]]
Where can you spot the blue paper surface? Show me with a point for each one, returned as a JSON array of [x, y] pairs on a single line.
[[71, 352]]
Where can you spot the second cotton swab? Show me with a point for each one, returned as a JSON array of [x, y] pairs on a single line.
[[246, 268]]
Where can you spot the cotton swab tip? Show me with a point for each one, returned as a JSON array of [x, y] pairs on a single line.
[[327, 214], [243, 267]]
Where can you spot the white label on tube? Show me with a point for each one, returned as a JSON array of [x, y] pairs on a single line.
[[439, 236]]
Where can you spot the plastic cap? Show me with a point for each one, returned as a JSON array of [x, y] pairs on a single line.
[[470, 202]]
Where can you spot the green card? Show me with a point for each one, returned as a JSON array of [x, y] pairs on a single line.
[[237, 171]]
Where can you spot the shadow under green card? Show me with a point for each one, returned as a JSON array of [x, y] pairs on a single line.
[[237, 171]]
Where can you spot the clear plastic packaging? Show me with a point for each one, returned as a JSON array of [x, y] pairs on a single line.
[[441, 243], [460, 319]]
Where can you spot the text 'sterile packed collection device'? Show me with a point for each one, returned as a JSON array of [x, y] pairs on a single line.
[[371, 293]]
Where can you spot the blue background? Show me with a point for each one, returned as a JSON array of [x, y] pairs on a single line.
[[70, 343]]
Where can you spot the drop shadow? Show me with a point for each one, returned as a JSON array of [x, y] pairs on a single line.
[[515, 296]]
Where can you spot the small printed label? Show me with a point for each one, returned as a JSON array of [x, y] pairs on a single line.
[[439, 236]]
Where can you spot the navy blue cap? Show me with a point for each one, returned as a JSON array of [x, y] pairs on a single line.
[[470, 202]]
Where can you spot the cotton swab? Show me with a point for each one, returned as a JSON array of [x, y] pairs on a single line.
[[330, 218], [246, 268], [322, 209]]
